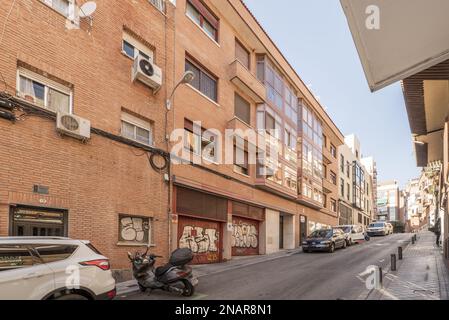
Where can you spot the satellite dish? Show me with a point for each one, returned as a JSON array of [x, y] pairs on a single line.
[[88, 9]]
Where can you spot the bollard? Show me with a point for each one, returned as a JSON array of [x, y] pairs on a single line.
[[399, 253], [380, 278], [393, 262], [413, 240]]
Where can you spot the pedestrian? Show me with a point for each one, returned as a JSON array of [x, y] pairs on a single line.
[[437, 231]]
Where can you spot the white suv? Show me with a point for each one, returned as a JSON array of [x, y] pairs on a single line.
[[41, 268]]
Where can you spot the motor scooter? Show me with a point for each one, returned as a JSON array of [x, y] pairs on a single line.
[[174, 277]]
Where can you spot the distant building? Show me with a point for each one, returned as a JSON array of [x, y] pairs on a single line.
[[388, 201], [356, 198]]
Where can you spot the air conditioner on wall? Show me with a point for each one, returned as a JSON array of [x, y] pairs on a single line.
[[73, 126], [147, 72]]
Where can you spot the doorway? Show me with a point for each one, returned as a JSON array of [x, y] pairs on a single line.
[[281, 232], [302, 229]]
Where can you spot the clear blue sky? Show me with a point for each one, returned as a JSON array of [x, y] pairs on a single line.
[[315, 38]]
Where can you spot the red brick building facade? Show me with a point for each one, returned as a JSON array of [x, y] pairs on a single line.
[[103, 189], [115, 188]]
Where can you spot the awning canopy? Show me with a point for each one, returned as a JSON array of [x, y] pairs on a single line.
[[426, 97], [397, 39]]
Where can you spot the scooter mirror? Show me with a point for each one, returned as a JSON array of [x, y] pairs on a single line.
[[130, 256]]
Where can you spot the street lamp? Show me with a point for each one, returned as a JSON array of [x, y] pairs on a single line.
[[186, 78]]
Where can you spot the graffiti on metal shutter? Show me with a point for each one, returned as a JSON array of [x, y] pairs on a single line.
[[245, 237], [202, 237]]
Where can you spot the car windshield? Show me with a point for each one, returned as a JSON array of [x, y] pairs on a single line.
[[345, 229], [376, 225], [321, 233]]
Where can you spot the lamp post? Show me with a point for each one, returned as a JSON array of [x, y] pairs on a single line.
[[186, 78]]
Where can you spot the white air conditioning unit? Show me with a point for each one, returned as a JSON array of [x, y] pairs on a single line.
[[147, 72], [73, 126]]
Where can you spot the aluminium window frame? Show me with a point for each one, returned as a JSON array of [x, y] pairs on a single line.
[[47, 83]]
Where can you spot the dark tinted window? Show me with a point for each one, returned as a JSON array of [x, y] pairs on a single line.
[[54, 252], [14, 256], [242, 109]]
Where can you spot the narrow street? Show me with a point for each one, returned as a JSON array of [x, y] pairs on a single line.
[[300, 276]]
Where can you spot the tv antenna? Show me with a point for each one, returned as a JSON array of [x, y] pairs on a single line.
[[86, 12]]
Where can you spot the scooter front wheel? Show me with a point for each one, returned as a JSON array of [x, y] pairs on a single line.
[[142, 288], [189, 289]]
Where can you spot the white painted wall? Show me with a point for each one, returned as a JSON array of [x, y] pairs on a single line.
[[270, 232]]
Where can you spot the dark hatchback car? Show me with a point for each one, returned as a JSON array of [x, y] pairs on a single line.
[[324, 240]]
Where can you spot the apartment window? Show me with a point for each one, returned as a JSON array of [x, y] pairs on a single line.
[[203, 17], [342, 187], [275, 86], [324, 200], [290, 139], [333, 151], [333, 205], [44, 92], [348, 194], [132, 48], [324, 141], [342, 163], [306, 190], [159, 4], [198, 142], [324, 171], [291, 179], [333, 177], [242, 109], [241, 160], [348, 169], [360, 218], [241, 54], [64, 7], [203, 81], [137, 129]]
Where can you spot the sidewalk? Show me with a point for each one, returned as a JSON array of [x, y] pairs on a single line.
[[421, 275], [210, 269]]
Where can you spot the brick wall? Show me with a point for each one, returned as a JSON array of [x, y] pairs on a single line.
[[100, 179]]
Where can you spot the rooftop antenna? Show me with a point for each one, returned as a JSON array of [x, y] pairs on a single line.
[[87, 10]]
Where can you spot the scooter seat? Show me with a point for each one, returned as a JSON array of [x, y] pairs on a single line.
[[162, 270]]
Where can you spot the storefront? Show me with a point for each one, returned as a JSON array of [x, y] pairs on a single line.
[[246, 221], [201, 222]]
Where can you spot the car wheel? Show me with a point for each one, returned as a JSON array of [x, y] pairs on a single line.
[[332, 248], [189, 289], [71, 297]]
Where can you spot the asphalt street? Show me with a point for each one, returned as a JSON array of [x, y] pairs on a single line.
[[302, 276]]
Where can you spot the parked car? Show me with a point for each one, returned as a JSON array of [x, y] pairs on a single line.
[[353, 233], [53, 268], [377, 229], [324, 240], [390, 228]]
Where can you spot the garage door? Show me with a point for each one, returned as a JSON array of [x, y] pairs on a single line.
[[245, 237], [202, 237]]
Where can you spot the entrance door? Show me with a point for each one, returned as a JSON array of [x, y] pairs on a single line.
[[302, 229], [202, 237], [281, 232]]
